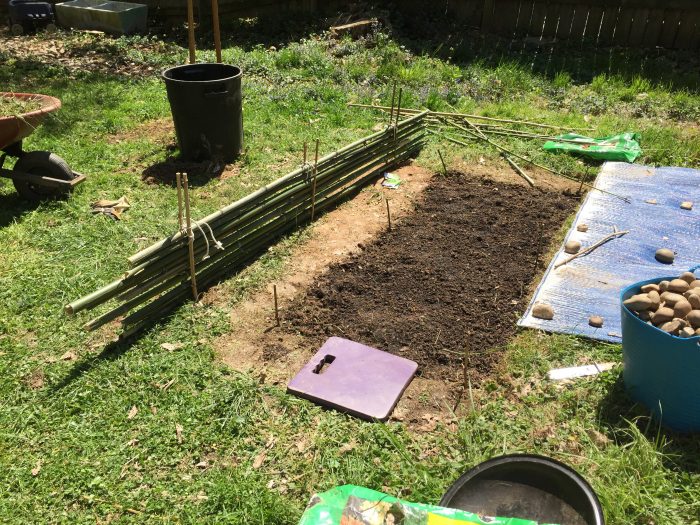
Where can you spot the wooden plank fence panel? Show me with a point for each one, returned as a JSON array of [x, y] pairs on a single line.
[[526, 7], [505, 17], [639, 25], [672, 20], [579, 24], [655, 22], [623, 27], [566, 16], [539, 14], [595, 16], [552, 21], [608, 25]]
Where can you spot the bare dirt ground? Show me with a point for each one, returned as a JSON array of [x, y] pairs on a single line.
[[345, 244]]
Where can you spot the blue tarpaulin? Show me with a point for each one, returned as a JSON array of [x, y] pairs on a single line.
[[591, 284]]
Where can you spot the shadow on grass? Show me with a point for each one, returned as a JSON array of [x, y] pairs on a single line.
[[429, 31], [112, 351], [13, 207], [618, 409], [198, 173]]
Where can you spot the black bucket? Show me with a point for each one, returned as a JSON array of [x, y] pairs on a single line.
[[527, 487], [206, 104]]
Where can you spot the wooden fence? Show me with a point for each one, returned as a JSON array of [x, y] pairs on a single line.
[[672, 24]]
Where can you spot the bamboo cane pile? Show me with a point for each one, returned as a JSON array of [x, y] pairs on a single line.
[[458, 127], [224, 241]]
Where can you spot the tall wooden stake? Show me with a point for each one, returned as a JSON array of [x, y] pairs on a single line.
[[388, 213], [190, 238], [398, 112], [391, 113], [178, 179], [313, 184], [215, 27], [190, 29], [277, 311]]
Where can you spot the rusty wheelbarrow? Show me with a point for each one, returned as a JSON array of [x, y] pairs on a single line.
[[36, 174]]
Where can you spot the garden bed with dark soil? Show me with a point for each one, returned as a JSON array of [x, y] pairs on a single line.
[[452, 277]]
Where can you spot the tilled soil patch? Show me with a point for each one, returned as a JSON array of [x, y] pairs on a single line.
[[453, 276]]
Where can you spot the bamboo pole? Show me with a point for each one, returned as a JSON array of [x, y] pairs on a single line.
[[190, 30], [391, 110], [505, 150], [519, 170], [277, 312], [190, 238], [444, 167], [313, 187], [471, 116], [215, 27], [178, 181], [388, 212]]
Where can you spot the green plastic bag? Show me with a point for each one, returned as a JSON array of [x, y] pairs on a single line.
[[353, 505], [624, 147]]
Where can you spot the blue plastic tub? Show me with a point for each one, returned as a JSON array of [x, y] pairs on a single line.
[[661, 371]]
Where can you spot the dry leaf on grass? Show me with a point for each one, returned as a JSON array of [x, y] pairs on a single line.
[[68, 356], [132, 413], [202, 464], [600, 439], [259, 459], [178, 432], [347, 447], [170, 347], [37, 469]]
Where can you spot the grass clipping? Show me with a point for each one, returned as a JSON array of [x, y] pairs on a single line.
[[11, 106]]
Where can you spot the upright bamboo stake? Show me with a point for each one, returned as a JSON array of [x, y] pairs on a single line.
[[190, 238], [178, 179], [388, 213], [277, 312], [313, 184], [398, 112], [190, 29], [391, 113], [215, 26], [444, 167]]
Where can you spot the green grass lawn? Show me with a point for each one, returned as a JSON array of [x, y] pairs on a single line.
[[73, 450]]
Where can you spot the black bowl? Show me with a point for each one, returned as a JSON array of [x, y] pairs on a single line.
[[528, 487]]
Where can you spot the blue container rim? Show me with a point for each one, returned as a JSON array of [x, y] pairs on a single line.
[[236, 72], [637, 286]]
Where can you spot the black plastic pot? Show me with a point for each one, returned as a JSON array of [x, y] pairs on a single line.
[[528, 487], [206, 104]]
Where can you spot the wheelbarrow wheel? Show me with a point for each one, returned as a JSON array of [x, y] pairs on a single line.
[[46, 164]]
